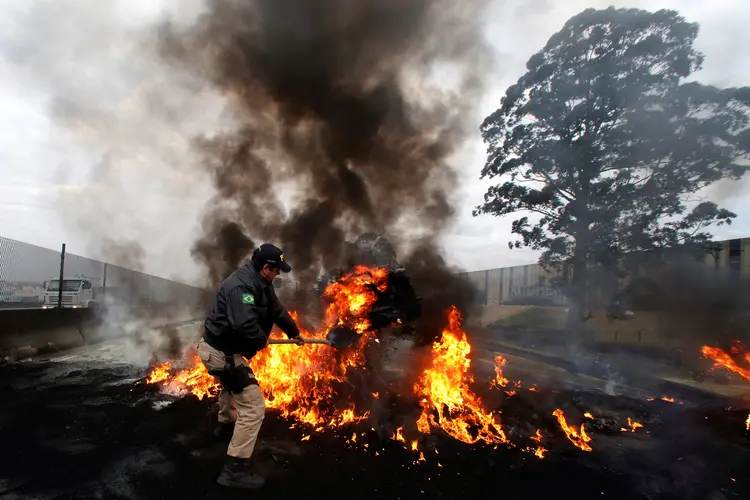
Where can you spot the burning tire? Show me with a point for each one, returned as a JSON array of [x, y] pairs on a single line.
[[373, 260]]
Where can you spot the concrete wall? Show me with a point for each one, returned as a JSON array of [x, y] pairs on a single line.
[[28, 332], [641, 329], [644, 329], [518, 284], [24, 332], [531, 285]]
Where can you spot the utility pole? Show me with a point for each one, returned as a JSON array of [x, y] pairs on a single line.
[[62, 272], [104, 283]]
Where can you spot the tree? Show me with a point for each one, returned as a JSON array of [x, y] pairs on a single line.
[[604, 148]]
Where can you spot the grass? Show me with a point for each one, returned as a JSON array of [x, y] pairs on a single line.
[[533, 318]]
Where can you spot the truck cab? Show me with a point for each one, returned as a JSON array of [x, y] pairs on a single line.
[[76, 293]]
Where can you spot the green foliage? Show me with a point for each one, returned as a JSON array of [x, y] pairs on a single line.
[[602, 146]]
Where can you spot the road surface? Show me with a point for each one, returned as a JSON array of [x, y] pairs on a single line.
[[79, 425]]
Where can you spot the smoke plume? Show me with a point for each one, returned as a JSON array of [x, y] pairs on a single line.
[[696, 304], [128, 254], [348, 114]]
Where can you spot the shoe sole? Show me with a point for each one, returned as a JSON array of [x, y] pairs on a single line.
[[237, 484]]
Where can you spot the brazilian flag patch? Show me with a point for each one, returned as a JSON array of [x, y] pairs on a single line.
[[248, 298]]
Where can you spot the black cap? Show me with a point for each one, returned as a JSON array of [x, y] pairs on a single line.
[[271, 255]]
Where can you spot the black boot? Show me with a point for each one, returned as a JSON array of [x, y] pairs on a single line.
[[224, 430], [237, 474]]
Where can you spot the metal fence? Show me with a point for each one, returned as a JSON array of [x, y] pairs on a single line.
[[26, 270], [531, 285], [518, 285]]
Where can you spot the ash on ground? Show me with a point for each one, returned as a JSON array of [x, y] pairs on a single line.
[[90, 432]]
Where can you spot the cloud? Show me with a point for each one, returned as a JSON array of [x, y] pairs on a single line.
[[111, 153]]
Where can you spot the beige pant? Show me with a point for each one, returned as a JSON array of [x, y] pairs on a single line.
[[247, 408]]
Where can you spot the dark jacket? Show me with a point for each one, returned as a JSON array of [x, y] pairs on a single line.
[[244, 311]]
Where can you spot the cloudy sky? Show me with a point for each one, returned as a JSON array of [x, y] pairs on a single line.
[[94, 138]]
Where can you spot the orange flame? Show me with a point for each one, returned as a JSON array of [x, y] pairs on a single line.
[[196, 381], [444, 390], [539, 451], [351, 297], [301, 382], [634, 425], [667, 399], [579, 440], [159, 373], [499, 381], [398, 435], [193, 379], [721, 358]]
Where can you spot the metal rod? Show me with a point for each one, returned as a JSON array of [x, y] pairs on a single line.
[[307, 341], [104, 283], [62, 272]]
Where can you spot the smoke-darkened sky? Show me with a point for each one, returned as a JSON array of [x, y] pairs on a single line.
[[340, 124], [99, 131]]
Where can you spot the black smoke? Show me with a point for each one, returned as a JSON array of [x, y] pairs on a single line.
[[337, 130]]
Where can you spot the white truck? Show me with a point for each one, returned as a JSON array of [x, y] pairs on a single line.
[[78, 292]]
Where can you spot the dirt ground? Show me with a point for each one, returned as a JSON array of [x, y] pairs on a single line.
[[80, 427]]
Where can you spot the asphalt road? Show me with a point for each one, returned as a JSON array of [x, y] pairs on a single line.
[[78, 425]]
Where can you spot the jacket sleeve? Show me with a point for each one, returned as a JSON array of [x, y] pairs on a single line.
[[281, 316], [242, 315]]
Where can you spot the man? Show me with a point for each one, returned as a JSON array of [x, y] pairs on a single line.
[[244, 311]]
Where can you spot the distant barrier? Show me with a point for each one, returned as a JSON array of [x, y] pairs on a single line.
[[25, 333], [24, 269], [30, 332]]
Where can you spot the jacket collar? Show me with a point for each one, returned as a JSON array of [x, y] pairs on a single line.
[[249, 276]]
